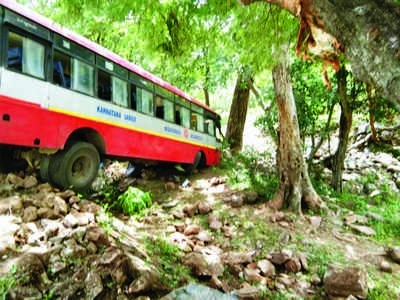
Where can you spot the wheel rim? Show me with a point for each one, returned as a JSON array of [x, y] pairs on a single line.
[[80, 168]]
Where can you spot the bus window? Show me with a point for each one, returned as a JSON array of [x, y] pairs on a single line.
[[25, 55], [82, 77], [104, 85], [178, 119], [144, 101], [133, 97], [210, 127], [159, 107], [197, 122], [185, 117], [62, 69], [119, 92], [168, 111]]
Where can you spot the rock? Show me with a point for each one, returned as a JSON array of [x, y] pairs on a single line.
[[30, 182], [198, 292], [251, 197], [279, 258], [205, 236], [50, 227], [31, 266], [303, 260], [11, 205], [60, 207], [315, 221], [70, 221], [252, 275], [24, 292], [192, 229], [368, 231], [170, 204], [14, 179], [249, 293], [30, 214], [266, 267], [276, 217], [72, 250], [110, 256], [293, 265], [204, 263], [170, 186], [385, 266], [204, 208], [343, 283], [8, 228], [190, 210], [178, 215], [91, 248], [315, 280], [97, 235], [147, 277], [394, 254], [236, 258], [93, 285], [237, 201], [375, 216], [181, 241], [214, 223], [217, 181]]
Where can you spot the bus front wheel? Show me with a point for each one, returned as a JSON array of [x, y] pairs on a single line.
[[189, 168], [75, 167]]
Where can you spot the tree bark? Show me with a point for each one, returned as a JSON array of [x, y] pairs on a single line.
[[206, 96], [295, 186], [238, 113], [346, 119], [371, 100], [366, 32]]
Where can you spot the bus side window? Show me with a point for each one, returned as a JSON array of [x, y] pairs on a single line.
[[119, 92], [185, 117], [159, 107], [169, 111], [25, 55], [104, 85], [133, 97], [197, 122], [178, 115], [210, 127], [62, 69], [82, 77], [144, 101]]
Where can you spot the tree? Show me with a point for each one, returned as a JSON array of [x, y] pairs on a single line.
[[238, 112], [367, 33], [295, 186]]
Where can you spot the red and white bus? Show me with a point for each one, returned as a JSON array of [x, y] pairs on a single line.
[[74, 101]]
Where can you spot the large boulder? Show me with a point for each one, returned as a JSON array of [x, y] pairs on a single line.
[[11, 205], [343, 283], [198, 292]]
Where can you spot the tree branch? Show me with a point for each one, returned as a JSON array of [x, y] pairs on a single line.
[[292, 6]]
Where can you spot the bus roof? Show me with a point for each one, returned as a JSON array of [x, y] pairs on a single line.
[[53, 26]]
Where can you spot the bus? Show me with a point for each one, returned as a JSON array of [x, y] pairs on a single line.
[[66, 101]]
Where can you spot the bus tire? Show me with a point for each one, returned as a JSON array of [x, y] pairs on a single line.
[[44, 169], [189, 168], [76, 167]]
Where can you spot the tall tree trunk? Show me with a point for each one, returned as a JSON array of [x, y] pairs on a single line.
[[238, 113], [207, 96], [346, 119], [294, 183], [371, 100]]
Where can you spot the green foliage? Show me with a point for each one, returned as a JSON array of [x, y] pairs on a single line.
[[9, 281], [383, 288], [168, 259], [312, 97], [132, 201], [249, 170]]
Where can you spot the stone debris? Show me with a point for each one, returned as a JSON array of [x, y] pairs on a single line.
[[343, 283]]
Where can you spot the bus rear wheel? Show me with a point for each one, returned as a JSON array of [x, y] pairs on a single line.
[[189, 168], [75, 167]]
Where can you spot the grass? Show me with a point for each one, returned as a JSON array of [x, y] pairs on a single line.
[[168, 260]]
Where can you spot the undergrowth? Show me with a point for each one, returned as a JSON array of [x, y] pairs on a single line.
[[168, 259], [385, 203], [250, 169]]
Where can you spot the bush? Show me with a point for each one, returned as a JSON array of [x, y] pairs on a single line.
[[132, 201]]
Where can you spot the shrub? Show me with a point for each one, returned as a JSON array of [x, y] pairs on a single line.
[[132, 201]]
